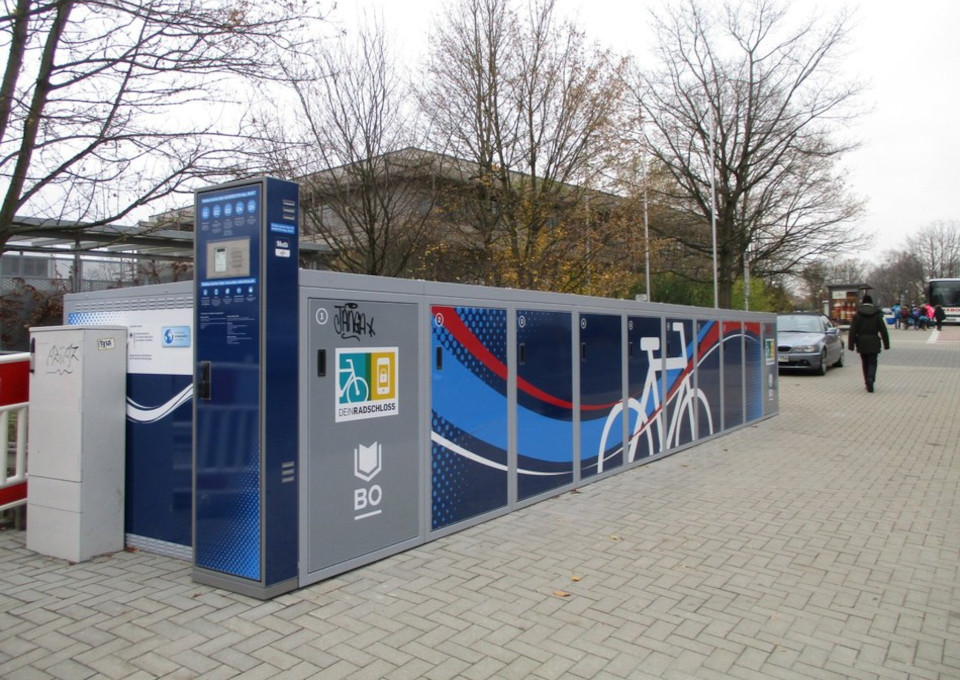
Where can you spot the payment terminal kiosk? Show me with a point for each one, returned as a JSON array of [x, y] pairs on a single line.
[[245, 387]]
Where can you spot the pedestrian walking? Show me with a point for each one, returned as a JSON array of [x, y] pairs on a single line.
[[867, 331], [939, 315]]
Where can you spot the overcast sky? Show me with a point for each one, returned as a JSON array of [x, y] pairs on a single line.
[[907, 52]]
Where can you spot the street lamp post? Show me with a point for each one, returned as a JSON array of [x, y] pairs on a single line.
[[713, 209], [646, 223]]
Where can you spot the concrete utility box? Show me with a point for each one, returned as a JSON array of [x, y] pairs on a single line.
[[76, 441]]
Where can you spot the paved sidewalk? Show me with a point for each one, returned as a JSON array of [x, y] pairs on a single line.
[[822, 543]]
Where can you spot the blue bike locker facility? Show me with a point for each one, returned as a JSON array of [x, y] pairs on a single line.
[[287, 425]]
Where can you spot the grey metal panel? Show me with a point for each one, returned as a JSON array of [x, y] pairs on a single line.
[[361, 459], [157, 296], [472, 294]]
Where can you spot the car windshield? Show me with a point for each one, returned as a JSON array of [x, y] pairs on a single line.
[[799, 324]]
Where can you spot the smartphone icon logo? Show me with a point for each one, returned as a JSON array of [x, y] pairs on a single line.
[[383, 376]]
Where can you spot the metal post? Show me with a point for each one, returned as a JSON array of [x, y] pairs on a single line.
[[646, 225], [77, 283], [713, 209], [746, 279]]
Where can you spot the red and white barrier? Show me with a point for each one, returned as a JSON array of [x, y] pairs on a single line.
[[14, 403]]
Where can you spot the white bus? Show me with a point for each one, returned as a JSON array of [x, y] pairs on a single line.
[[946, 293]]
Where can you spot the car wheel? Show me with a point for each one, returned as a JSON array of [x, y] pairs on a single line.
[[822, 368], [839, 363]]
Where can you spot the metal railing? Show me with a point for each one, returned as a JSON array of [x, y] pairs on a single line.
[[14, 404]]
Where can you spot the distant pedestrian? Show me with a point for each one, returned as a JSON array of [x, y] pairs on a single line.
[[867, 331], [919, 320], [939, 315]]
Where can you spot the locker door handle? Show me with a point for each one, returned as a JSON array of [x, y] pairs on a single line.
[[203, 381]]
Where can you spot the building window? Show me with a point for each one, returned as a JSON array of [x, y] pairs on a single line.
[[25, 266]]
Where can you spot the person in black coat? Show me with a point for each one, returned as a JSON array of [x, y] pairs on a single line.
[[867, 331], [939, 315]]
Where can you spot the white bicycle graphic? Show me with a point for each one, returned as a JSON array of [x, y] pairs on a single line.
[[355, 388], [650, 411]]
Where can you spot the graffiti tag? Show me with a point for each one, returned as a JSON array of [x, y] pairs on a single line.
[[63, 359], [350, 323]]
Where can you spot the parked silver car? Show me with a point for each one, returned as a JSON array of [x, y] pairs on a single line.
[[808, 341]]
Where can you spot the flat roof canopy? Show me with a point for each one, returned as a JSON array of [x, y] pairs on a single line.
[[54, 237]]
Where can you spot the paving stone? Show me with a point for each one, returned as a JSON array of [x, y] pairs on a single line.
[[821, 543]]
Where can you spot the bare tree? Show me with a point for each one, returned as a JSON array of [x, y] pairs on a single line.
[[106, 106], [746, 104], [814, 277], [847, 270], [937, 247], [528, 105], [898, 279], [354, 143]]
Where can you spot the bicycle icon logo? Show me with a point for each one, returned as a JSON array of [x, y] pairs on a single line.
[[354, 387], [651, 422]]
